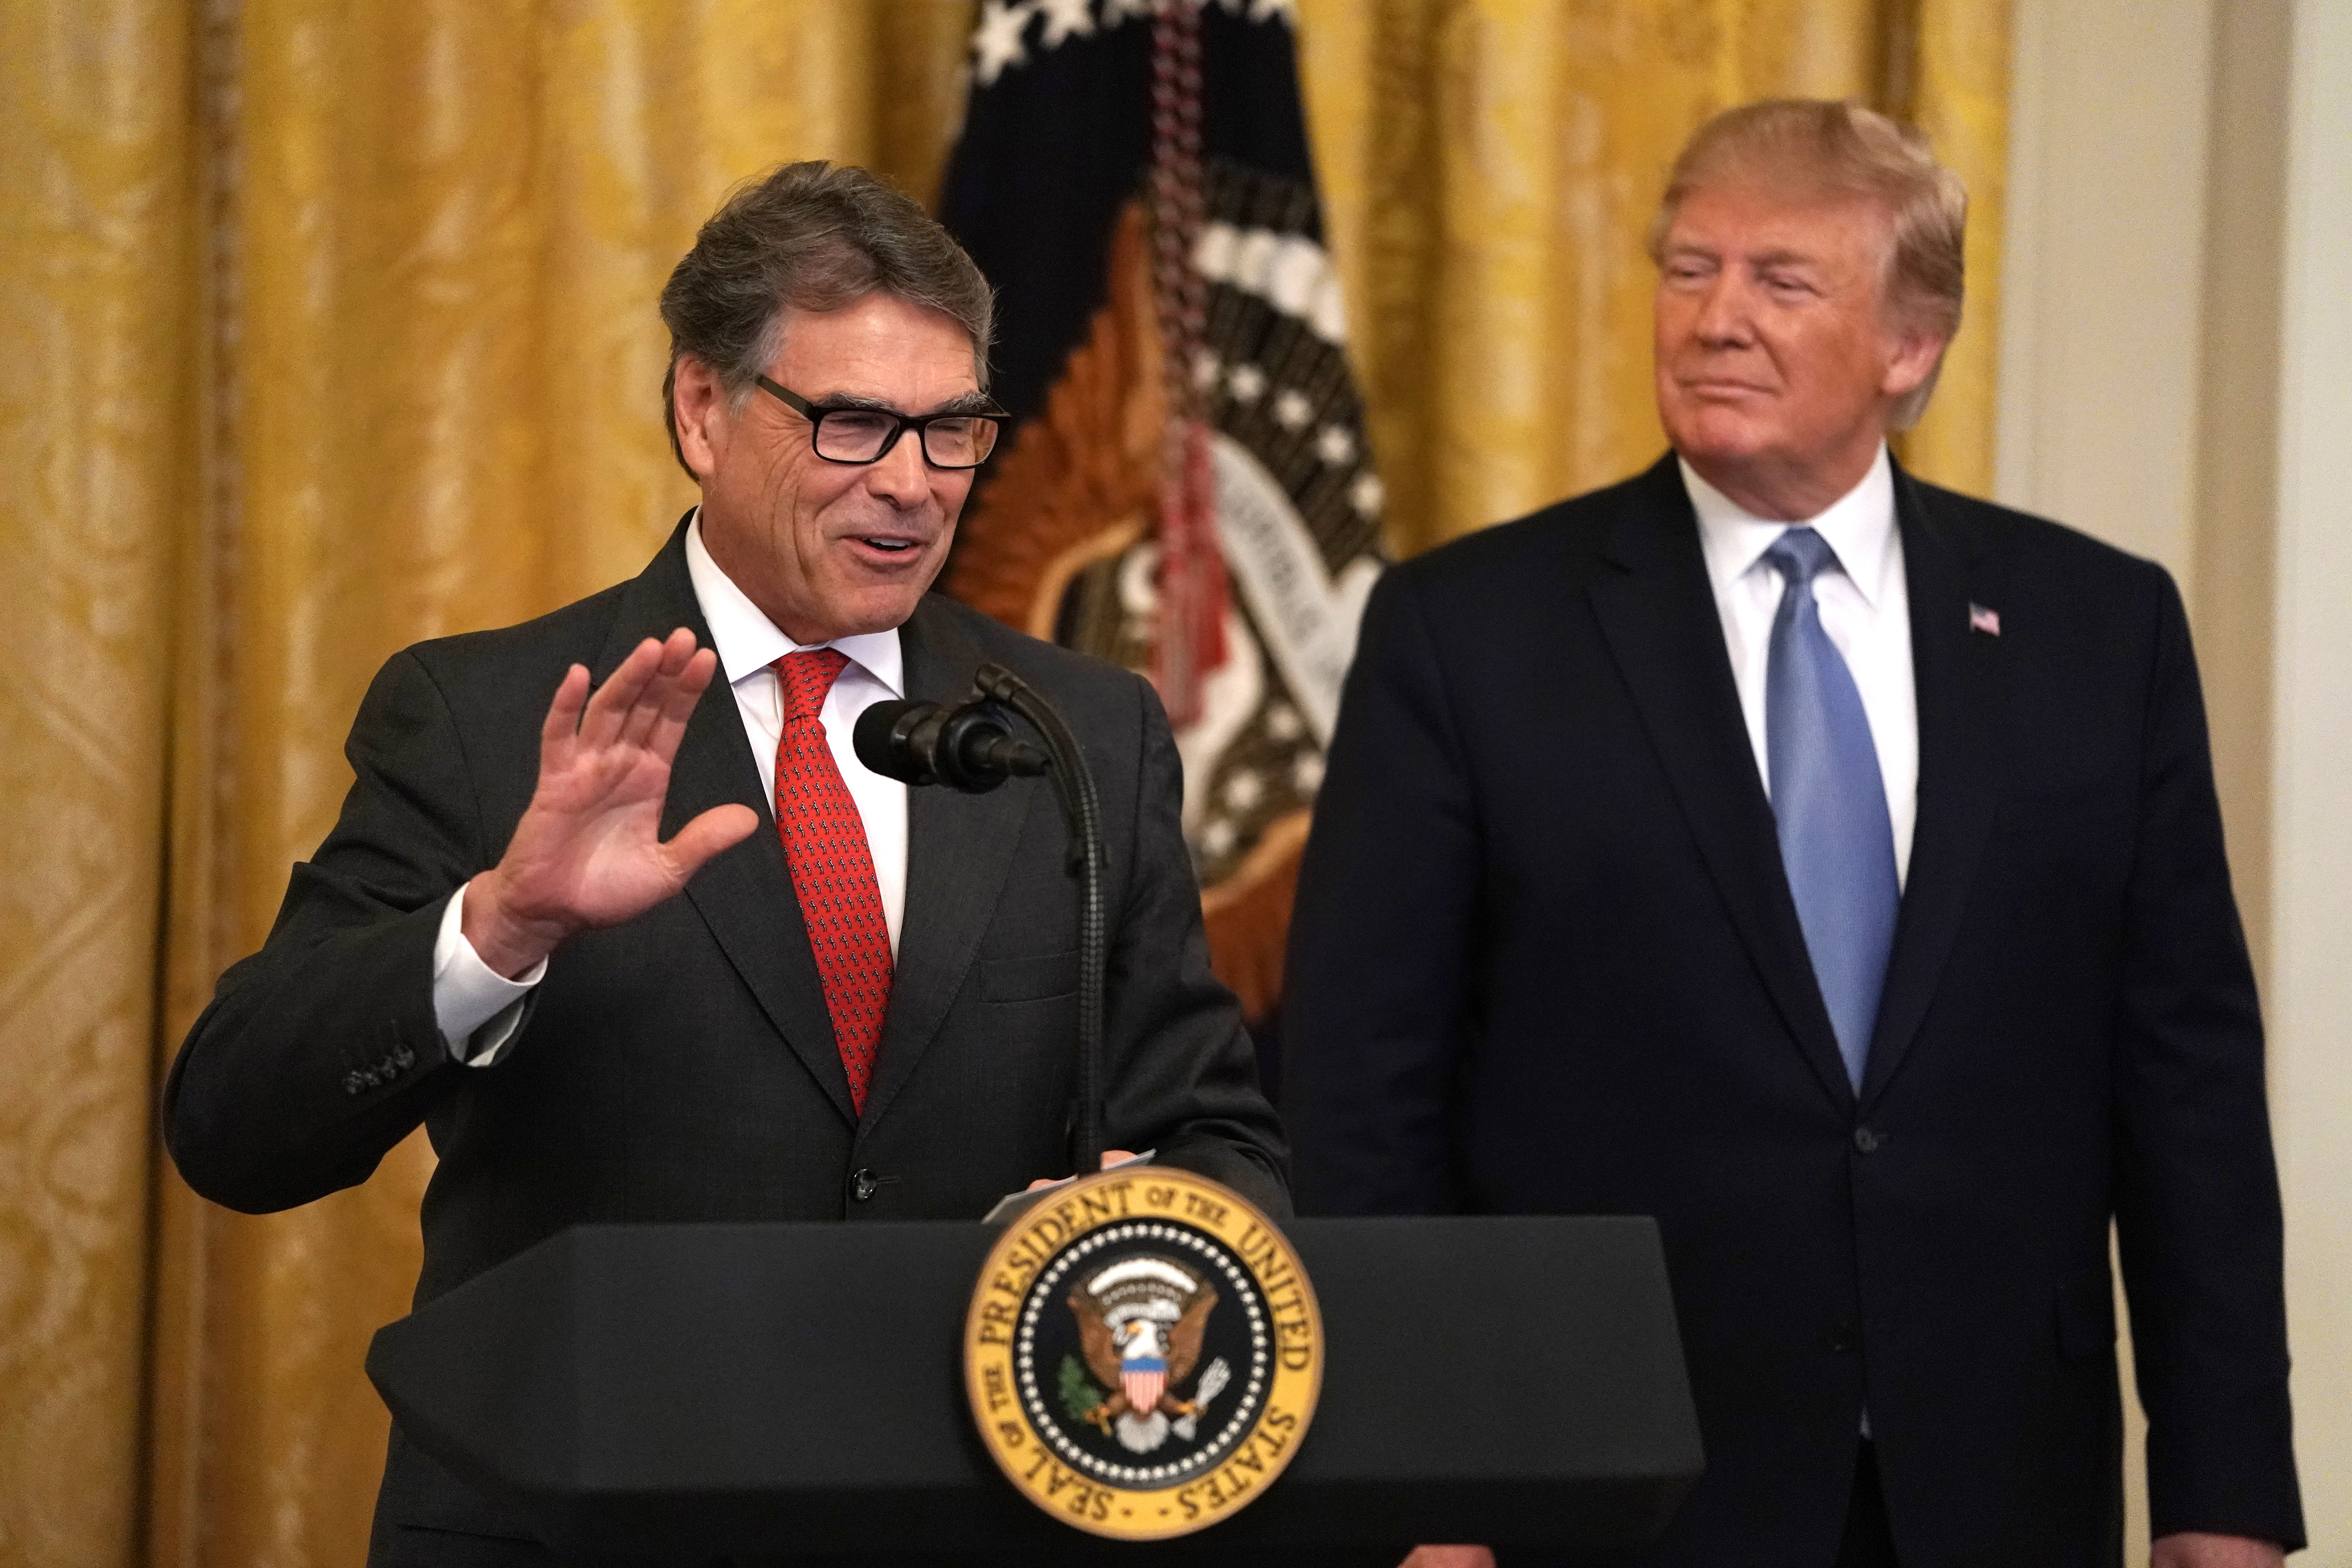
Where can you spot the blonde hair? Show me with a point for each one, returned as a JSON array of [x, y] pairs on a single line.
[[1825, 146]]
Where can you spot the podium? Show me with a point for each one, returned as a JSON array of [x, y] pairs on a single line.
[[792, 1393]]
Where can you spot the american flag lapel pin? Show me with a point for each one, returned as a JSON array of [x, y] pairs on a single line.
[[1983, 620]]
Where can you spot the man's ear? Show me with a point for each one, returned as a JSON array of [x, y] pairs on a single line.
[[1911, 359], [698, 404]]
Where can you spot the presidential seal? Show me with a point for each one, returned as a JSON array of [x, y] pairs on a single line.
[[1142, 1353]]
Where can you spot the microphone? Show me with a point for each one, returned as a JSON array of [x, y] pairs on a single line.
[[966, 748]]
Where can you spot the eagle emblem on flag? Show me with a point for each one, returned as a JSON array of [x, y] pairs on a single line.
[[1141, 1322]]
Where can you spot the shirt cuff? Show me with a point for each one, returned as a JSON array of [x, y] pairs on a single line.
[[476, 1008]]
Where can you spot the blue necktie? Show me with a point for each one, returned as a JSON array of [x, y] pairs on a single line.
[[1828, 802]]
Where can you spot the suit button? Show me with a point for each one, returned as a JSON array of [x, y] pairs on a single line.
[[863, 1183], [1866, 1140], [1844, 1337]]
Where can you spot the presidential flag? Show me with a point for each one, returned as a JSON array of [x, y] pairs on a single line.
[[1188, 489]]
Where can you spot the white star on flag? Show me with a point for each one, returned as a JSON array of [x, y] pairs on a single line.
[[1065, 17], [1291, 409], [1366, 495], [1335, 445], [1247, 382], [996, 42]]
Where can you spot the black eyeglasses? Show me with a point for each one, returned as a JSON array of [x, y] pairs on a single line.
[[958, 439]]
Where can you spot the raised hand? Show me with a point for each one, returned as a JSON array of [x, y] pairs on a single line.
[[588, 852]]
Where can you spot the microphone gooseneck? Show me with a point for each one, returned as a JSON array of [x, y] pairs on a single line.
[[1074, 782], [969, 748]]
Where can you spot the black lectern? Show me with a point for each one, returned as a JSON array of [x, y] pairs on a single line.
[[791, 1393]]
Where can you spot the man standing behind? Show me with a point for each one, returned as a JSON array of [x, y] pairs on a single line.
[[1828, 865], [864, 1005]]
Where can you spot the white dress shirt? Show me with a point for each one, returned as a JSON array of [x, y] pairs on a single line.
[[478, 1008], [1866, 607]]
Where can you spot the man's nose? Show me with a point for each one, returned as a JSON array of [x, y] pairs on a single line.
[[900, 475], [1724, 317]]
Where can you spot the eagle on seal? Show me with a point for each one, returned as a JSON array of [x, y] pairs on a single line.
[[1140, 1321]]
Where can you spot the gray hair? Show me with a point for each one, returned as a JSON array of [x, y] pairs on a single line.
[[810, 236], [1822, 145]]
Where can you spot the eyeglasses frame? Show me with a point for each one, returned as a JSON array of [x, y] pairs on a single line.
[[919, 424]]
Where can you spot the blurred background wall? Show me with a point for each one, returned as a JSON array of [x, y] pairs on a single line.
[[326, 325], [2176, 376]]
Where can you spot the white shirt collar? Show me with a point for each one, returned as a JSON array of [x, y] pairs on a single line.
[[1858, 525], [749, 642]]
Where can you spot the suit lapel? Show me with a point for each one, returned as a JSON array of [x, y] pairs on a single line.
[[960, 849], [1960, 676], [744, 894], [1662, 626]]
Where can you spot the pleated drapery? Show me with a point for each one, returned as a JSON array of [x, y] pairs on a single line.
[[328, 327], [98, 321]]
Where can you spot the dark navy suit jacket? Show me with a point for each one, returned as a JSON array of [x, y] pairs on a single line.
[[1544, 960]]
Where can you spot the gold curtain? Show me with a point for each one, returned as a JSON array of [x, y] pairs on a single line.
[[97, 330], [330, 326]]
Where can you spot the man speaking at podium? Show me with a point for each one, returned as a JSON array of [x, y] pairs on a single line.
[[1828, 865], [661, 949]]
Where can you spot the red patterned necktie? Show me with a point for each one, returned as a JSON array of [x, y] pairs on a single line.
[[833, 871]]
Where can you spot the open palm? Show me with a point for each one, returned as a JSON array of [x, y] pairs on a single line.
[[588, 852]]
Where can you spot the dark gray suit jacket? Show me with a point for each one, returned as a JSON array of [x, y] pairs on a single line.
[[681, 1066], [1544, 960]]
